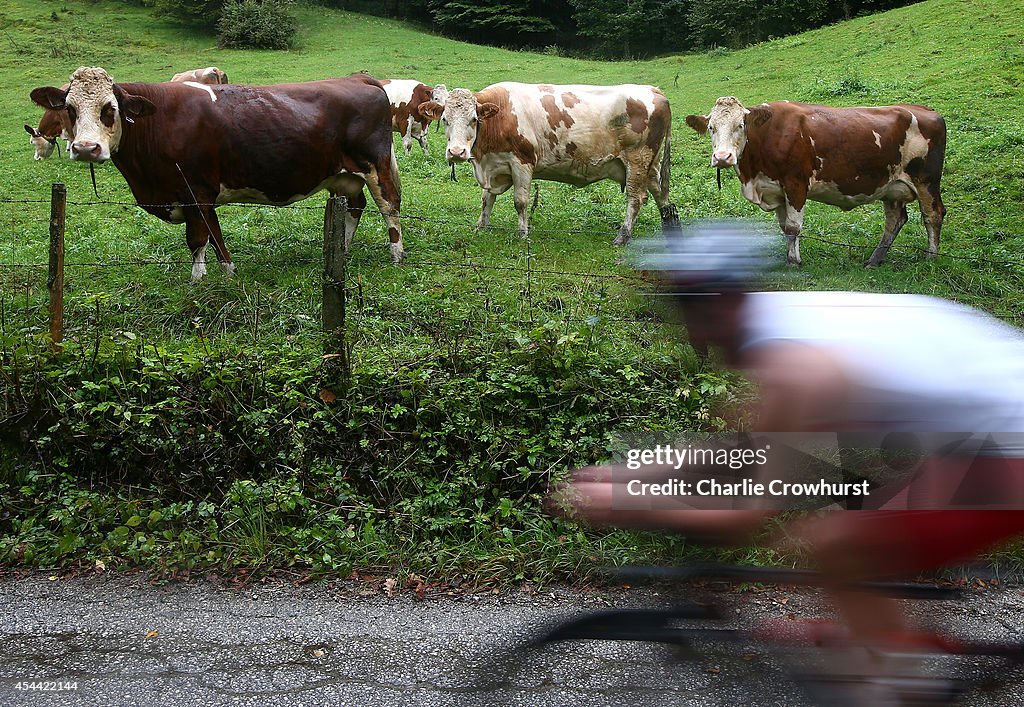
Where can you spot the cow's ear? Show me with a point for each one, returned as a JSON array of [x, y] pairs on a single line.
[[137, 106], [758, 116], [430, 110], [49, 97], [31, 131], [486, 110], [698, 123]]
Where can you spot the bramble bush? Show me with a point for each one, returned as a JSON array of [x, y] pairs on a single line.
[[203, 458], [256, 24]]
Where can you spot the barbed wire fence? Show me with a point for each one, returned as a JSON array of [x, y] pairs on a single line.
[[347, 289], [28, 301]]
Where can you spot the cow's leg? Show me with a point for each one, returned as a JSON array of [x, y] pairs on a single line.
[[791, 219], [669, 214], [933, 211], [637, 184], [493, 188], [419, 132], [386, 190], [658, 185], [406, 133], [895, 217], [201, 225], [355, 204], [487, 198], [522, 176]]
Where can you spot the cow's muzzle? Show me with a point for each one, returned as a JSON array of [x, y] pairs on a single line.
[[458, 154], [86, 151], [721, 160]]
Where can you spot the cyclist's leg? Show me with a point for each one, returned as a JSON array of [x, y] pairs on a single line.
[[856, 546]]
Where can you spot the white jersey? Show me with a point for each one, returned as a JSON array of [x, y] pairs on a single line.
[[916, 363]]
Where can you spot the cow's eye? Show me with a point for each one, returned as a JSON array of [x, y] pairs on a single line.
[[107, 115], [72, 114], [473, 122]]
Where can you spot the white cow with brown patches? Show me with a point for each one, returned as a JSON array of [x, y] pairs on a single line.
[[211, 76], [406, 96], [787, 154], [514, 133]]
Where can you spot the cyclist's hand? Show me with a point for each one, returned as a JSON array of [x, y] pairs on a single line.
[[587, 496]]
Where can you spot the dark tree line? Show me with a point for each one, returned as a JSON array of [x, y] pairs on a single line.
[[612, 29], [618, 29]]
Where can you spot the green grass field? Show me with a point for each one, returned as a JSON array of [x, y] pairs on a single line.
[[128, 273], [964, 59]]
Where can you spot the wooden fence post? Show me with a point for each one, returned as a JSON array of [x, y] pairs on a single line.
[[55, 278], [334, 282]]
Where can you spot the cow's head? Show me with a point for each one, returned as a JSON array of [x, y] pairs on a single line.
[[461, 115], [96, 111], [213, 75], [727, 123], [439, 94], [42, 144]]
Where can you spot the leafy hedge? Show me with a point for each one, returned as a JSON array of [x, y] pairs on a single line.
[[256, 24], [203, 458]]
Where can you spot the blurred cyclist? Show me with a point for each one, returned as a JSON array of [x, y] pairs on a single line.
[[951, 376]]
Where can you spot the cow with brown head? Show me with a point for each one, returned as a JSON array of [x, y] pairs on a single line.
[[788, 153], [185, 148]]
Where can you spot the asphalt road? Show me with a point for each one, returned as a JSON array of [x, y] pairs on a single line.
[[122, 641]]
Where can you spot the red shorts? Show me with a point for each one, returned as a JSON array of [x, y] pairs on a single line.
[[906, 542]]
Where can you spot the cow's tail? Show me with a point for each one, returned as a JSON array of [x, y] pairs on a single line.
[[669, 215], [666, 163]]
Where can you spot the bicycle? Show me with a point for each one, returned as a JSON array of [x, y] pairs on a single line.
[[700, 630]]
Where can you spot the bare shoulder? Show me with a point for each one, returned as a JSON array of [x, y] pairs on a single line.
[[800, 384]]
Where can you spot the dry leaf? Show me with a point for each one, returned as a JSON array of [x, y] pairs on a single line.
[[389, 586], [327, 396], [152, 634]]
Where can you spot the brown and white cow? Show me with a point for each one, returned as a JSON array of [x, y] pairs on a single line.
[[406, 96], [52, 125], [210, 76], [186, 148], [786, 153], [514, 133]]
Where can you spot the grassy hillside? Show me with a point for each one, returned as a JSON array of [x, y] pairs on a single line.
[[534, 355], [965, 59]]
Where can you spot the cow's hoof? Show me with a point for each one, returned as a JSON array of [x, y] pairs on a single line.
[[871, 264], [670, 216], [523, 233], [621, 239], [794, 263], [397, 253]]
